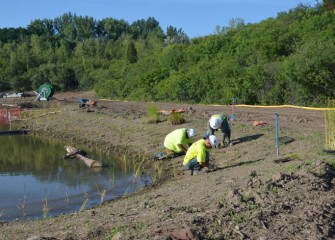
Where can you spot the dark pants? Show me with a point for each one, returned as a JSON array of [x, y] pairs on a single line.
[[225, 129], [194, 164]]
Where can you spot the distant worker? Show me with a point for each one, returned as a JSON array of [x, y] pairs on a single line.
[[219, 122], [83, 102], [179, 140], [197, 156]]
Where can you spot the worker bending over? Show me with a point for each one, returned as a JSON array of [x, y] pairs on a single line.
[[178, 141], [219, 122]]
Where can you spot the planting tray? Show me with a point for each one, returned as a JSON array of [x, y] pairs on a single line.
[[285, 139]]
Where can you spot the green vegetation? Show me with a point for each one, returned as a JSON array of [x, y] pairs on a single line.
[[84, 204], [153, 113], [102, 196], [176, 118], [277, 61], [291, 168], [45, 208]]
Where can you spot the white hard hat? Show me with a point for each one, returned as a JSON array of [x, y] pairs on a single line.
[[215, 123], [191, 132], [213, 140]]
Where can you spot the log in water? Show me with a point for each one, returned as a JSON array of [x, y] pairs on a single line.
[[77, 153]]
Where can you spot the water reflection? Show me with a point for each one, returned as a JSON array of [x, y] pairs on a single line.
[[36, 181]]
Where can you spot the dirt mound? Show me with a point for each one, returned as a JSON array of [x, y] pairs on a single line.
[[292, 206]]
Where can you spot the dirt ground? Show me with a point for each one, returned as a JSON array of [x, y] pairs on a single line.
[[252, 193]]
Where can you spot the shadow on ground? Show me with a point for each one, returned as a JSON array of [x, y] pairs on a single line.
[[239, 164], [247, 139]]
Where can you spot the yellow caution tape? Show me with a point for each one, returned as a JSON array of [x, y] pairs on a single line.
[[252, 106], [286, 106]]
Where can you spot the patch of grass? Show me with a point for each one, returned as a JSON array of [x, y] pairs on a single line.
[[243, 214], [309, 162], [84, 205], [158, 171], [291, 168], [23, 207], [293, 156], [271, 188], [247, 197], [45, 208], [102, 196], [153, 113], [140, 226], [118, 229], [331, 162], [176, 118], [137, 172], [174, 166], [121, 229]]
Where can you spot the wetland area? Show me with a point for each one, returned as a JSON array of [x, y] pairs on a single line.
[[252, 193]]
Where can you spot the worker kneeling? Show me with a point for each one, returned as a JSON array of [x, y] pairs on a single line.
[[178, 141], [197, 156]]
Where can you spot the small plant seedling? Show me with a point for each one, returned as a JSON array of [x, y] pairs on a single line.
[[176, 118], [153, 114]]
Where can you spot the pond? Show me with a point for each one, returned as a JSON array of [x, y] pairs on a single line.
[[36, 181]]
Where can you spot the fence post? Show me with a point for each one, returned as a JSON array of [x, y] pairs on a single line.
[[9, 121], [277, 133]]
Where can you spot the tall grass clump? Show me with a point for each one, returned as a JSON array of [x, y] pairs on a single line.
[[23, 207], [330, 125], [102, 196], [153, 113], [176, 118], [84, 205], [45, 208]]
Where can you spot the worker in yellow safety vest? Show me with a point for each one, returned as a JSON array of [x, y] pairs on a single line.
[[197, 156], [178, 141]]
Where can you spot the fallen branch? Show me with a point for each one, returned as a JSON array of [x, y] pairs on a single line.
[[9, 105], [89, 162], [43, 115], [69, 155]]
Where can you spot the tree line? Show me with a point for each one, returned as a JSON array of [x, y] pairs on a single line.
[[283, 60]]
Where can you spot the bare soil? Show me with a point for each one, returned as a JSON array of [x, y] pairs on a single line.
[[252, 193]]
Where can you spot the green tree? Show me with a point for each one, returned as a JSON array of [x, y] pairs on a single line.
[[111, 28], [174, 36], [85, 27], [131, 53], [141, 28], [43, 27], [12, 34], [328, 5]]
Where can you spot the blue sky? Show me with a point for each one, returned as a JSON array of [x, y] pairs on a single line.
[[195, 17]]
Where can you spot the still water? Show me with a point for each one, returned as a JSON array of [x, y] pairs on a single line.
[[36, 182]]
